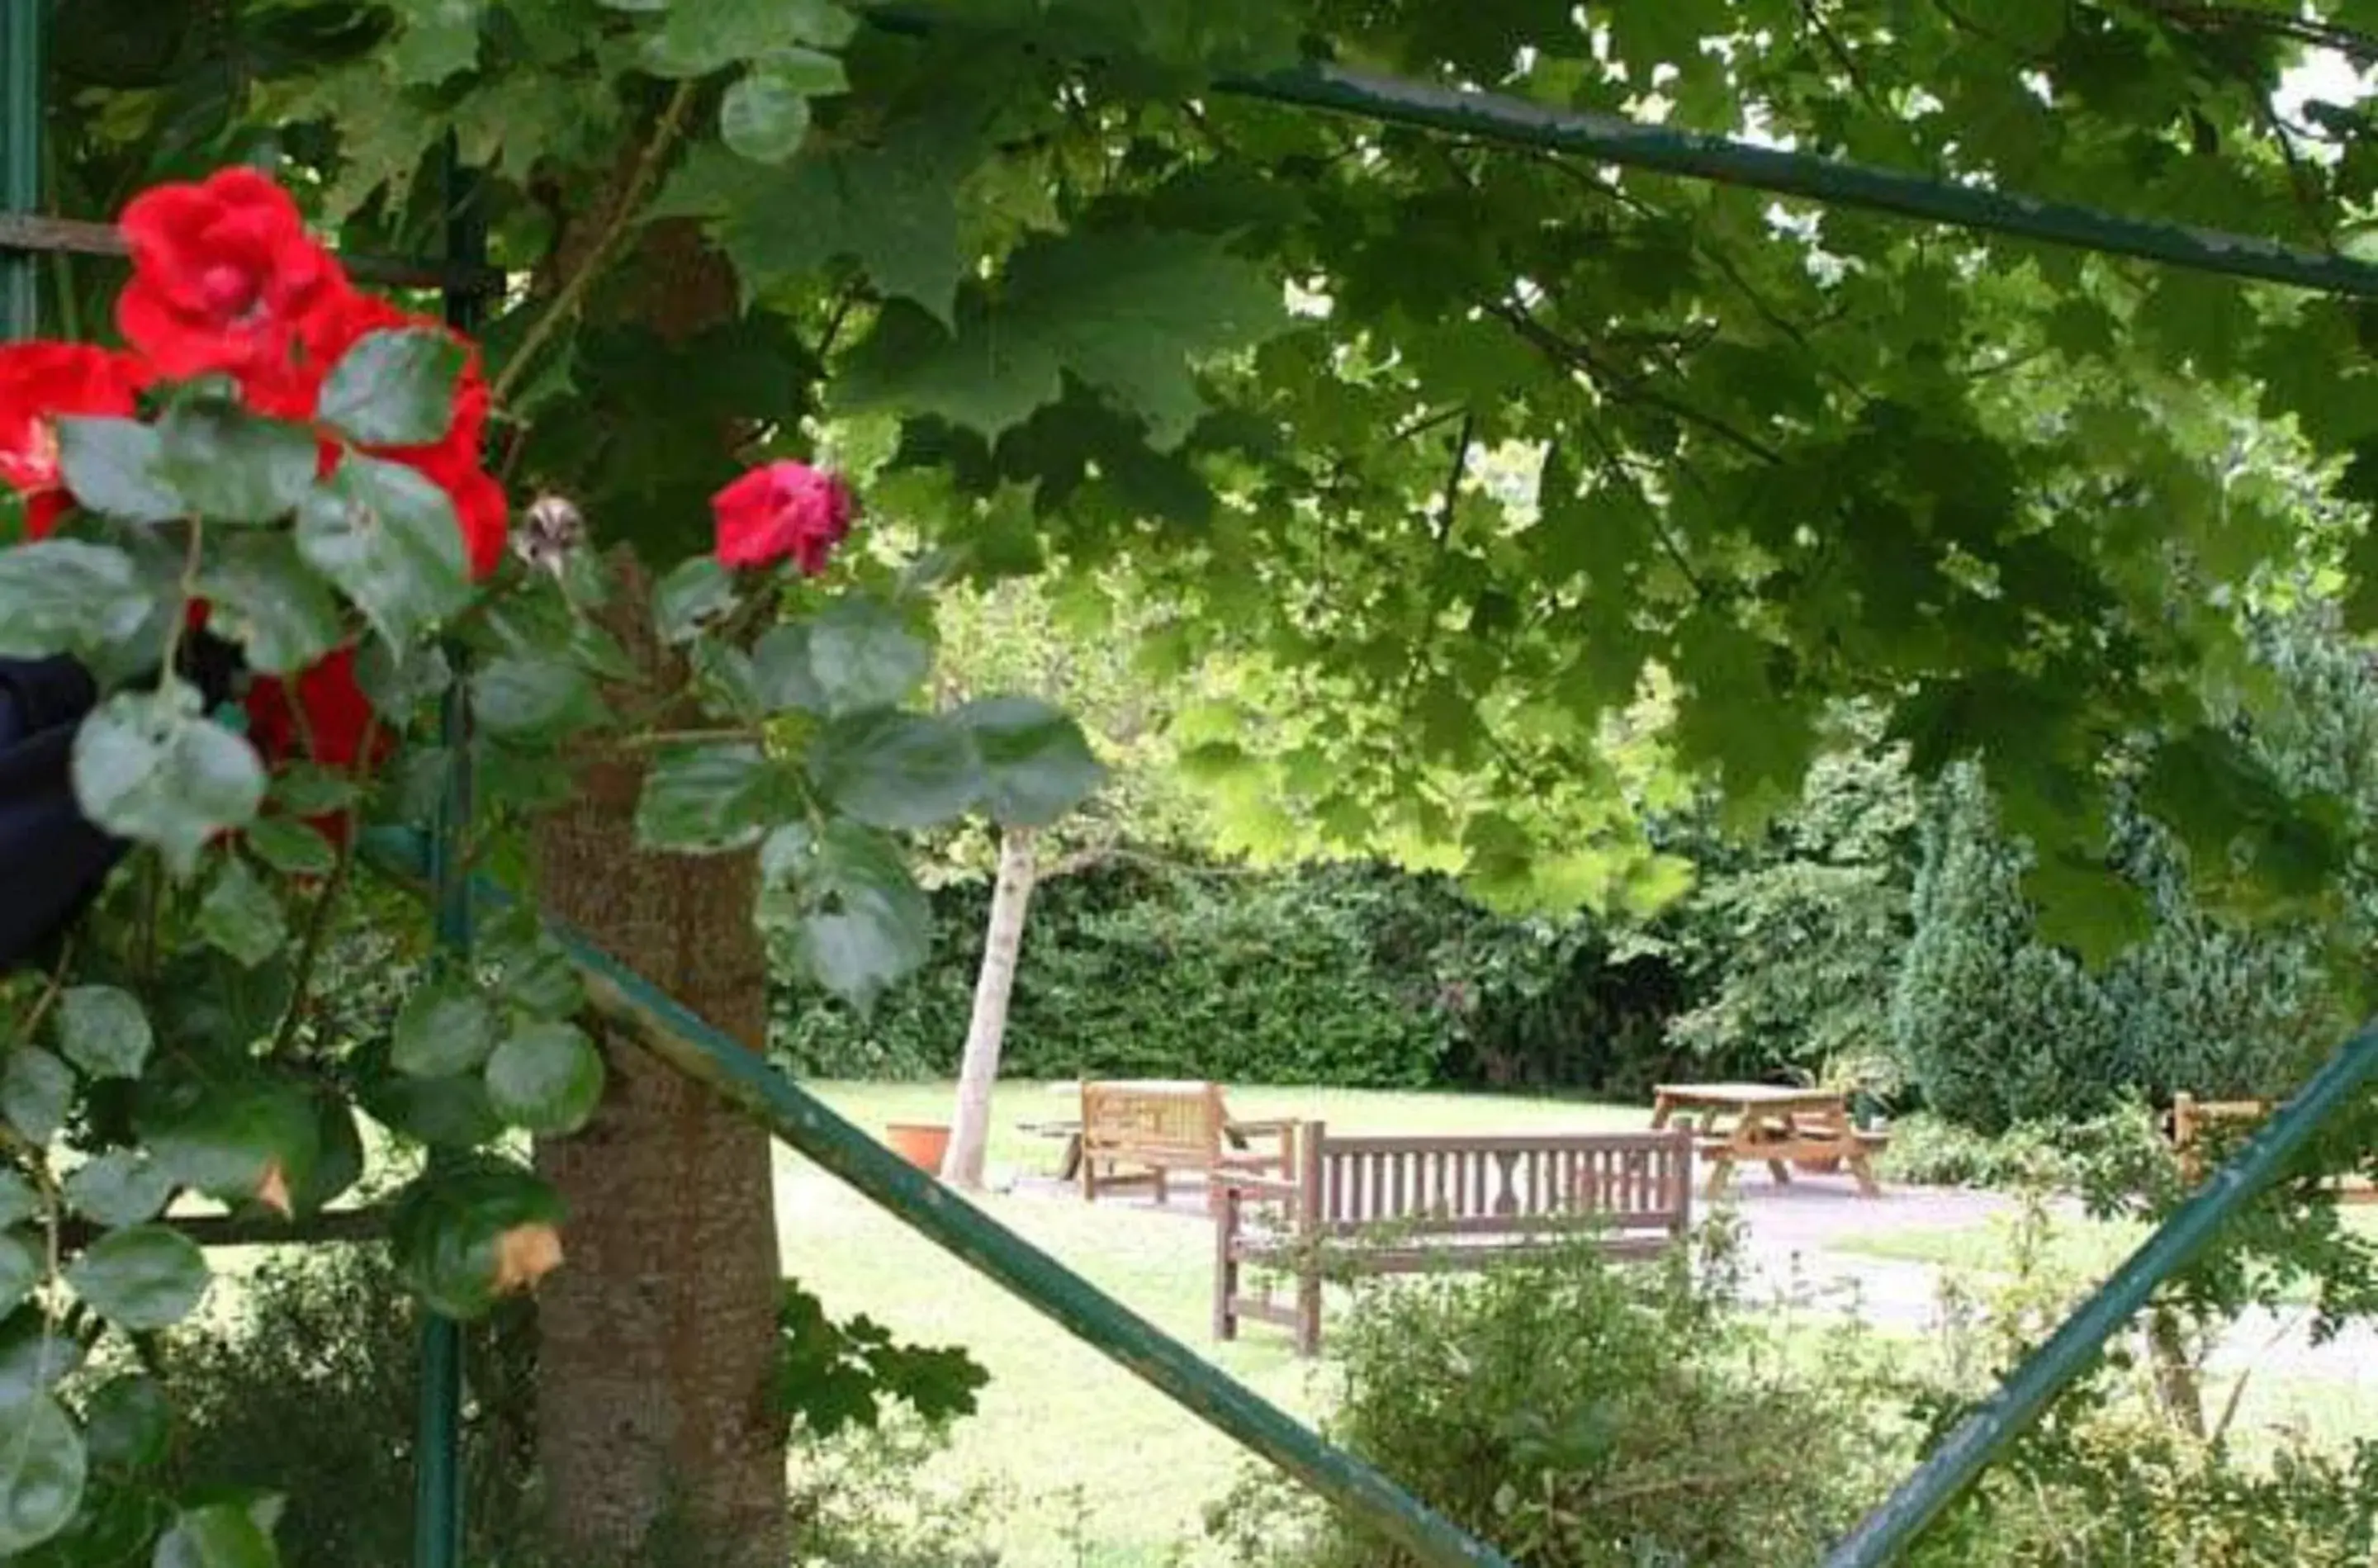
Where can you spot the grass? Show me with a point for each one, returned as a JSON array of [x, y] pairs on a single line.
[[2088, 1249], [1100, 1471]]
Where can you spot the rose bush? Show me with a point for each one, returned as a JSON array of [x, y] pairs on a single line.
[[262, 546]]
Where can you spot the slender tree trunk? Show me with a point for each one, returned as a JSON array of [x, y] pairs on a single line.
[[1003, 942], [657, 1355]]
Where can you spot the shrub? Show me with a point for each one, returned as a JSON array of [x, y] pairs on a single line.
[[309, 1389], [1351, 974], [1589, 1415]]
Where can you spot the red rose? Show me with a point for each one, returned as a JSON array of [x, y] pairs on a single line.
[[38, 383], [786, 509], [336, 716], [224, 277]]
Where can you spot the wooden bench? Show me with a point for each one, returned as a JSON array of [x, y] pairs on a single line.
[[1138, 1132], [2194, 1121], [1398, 1204]]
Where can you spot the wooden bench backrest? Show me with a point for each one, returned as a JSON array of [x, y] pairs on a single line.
[[1172, 1119], [1491, 1184]]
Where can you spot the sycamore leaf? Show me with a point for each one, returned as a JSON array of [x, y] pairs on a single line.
[[892, 206], [1125, 313]]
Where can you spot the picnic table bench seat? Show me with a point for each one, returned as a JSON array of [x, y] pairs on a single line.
[[1378, 1204]]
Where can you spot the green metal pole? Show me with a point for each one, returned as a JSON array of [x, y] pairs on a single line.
[[22, 25], [689, 1043], [1614, 139], [1983, 1435], [439, 1502]]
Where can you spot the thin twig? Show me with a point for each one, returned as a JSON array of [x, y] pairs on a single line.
[[572, 293], [1582, 357], [318, 922]]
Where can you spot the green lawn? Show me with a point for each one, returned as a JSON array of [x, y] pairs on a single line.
[[1101, 1470], [2088, 1249]]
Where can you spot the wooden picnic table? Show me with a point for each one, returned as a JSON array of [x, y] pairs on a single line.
[[1736, 1123]]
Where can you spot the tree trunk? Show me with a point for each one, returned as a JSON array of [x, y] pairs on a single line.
[[658, 1341], [987, 1028]]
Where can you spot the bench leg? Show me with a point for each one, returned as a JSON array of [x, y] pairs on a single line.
[[1780, 1172], [1226, 1284], [1721, 1172], [1862, 1168], [1069, 1163]]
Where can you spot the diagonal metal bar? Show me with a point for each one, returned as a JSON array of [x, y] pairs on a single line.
[[1985, 1433], [687, 1042], [1614, 139]]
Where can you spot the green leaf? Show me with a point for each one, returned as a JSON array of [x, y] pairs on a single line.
[[120, 1187], [229, 465], [103, 1031], [707, 799], [698, 593], [115, 467], [702, 36], [448, 1231], [764, 116], [65, 596], [860, 922], [782, 677], [234, 1137], [33, 1360], [890, 205], [35, 1090], [291, 847], [305, 789], [146, 767], [1036, 762], [446, 1027], [395, 388], [128, 1422], [440, 40], [547, 1078], [388, 537], [862, 655], [451, 1111], [42, 1474], [21, 1270], [241, 915], [148, 1278], [526, 697], [18, 1201], [1126, 313], [399, 686], [891, 770], [221, 1535], [264, 597]]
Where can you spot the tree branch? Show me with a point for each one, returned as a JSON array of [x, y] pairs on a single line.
[[572, 293], [1581, 356]]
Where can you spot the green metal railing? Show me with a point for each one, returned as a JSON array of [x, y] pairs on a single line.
[[2078, 1342], [435, 862], [686, 1041]]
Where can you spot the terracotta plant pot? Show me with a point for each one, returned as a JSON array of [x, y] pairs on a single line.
[[921, 1144]]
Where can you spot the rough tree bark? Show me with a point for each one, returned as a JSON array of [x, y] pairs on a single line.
[[987, 1027], [657, 1349]]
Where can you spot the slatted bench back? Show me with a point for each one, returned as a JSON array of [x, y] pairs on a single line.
[[1496, 1184], [1159, 1121]]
